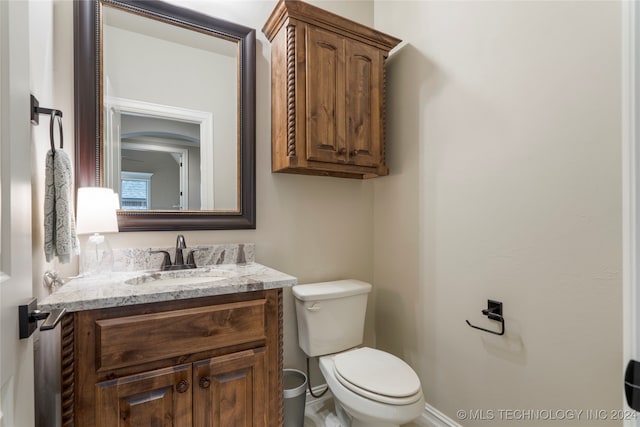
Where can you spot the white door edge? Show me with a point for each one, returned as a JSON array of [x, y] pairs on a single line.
[[630, 166]]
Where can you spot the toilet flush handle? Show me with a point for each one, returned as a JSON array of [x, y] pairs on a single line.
[[313, 307]]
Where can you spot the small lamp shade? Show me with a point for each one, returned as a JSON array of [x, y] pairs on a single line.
[[96, 214], [96, 211]]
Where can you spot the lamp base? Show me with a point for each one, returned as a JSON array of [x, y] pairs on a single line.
[[97, 257]]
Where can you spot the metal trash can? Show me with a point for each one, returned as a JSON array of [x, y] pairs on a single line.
[[294, 390]]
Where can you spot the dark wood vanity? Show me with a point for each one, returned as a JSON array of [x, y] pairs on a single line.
[[202, 362]]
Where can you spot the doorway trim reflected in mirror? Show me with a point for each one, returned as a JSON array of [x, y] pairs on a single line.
[[115, 142], [89, 141]]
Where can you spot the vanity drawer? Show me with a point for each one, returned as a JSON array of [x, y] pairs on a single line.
[[132, 340]]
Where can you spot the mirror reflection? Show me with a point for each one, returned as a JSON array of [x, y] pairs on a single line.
[[170, 125], [156, 158]]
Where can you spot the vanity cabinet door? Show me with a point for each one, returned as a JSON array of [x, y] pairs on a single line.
[[230, 390], [160, 398]]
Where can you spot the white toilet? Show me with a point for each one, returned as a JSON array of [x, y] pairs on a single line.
[[374, 388]]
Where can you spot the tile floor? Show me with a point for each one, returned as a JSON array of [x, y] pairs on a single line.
[[319, 414]]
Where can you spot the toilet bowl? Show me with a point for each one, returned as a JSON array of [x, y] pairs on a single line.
[[371, 388], [376, 389]]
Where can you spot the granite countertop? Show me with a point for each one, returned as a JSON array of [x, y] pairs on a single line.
[[142, 286]]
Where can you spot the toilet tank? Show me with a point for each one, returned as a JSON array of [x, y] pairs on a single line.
[[330, 315]]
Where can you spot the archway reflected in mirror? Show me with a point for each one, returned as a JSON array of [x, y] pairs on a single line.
[[159, 164]]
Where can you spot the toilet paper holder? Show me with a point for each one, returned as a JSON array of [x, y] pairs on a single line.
[[493, 312]]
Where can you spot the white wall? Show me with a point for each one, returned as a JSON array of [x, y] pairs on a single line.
[[51, 64], [504, 148]]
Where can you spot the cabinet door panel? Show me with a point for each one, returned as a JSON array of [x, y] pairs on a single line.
[[363, 100], [325, 96], [230, 390], [160, 398]]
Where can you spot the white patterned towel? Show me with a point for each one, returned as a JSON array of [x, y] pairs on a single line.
[[60, 237]]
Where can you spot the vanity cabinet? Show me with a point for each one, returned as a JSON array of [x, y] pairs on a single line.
[[327, 93], [203, 362]]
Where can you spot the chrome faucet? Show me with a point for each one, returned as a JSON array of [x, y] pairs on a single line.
[[178, 259]]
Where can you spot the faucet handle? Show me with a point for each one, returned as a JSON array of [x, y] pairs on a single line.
[[166, 261], [191, 261]]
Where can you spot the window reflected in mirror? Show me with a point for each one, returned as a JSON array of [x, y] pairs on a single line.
[[135, 190]]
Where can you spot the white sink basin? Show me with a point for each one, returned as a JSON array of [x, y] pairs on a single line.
[[180, 277]]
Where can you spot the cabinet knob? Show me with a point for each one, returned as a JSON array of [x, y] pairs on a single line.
[[342, 151], [205, 382], [182, 386], [353, 153]]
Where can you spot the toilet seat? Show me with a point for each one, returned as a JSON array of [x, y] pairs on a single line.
[[378, 376]]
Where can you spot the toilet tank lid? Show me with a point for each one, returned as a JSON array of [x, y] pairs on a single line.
[[329, 290]]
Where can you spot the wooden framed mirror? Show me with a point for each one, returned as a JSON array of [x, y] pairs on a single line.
[[154, 80]]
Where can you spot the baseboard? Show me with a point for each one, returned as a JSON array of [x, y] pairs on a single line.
[[431, 417]]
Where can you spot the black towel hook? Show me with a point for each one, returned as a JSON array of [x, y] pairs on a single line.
[[493, 312], [36, 110]]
